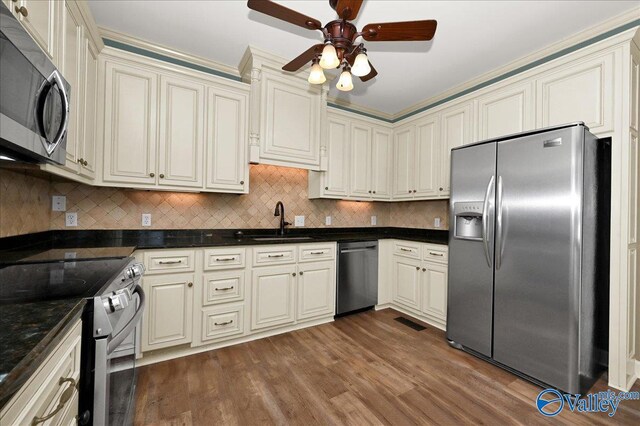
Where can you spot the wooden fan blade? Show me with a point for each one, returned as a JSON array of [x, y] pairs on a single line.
[[348, 9], [278, 11], [369, 76], [400, 31], [304, 58]]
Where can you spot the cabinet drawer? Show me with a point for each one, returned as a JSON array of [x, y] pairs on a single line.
[[222, 322], [436, 253], [166, 261], [275, 255], [223, 287], [406, 249], [43, 391], [225, 258], [310, 253]]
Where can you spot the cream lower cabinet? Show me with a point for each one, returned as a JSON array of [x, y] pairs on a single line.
[[316, 289], [273, 296], [434, 290], [406, 282]]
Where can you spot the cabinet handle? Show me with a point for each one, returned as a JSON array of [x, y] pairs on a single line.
[[152, 174], [24, 12], [275, 255], [190, 285], [317, 252], [169, 262], [301, 273], [241, 182], [224, 259], [436, 254], [417, 268], [424, 269], [64, 398], [223, 323], [224, 288], [161, 176], [294, 274], [326, 188], [405, 249]]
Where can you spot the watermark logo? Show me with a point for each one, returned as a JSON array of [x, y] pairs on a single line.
[[551, 402]]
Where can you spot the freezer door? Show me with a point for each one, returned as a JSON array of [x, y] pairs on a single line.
[[470, 289], [538, 246]]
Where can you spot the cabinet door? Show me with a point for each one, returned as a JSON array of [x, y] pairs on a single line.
[[88, 142], [181, 132], [455, 131], [273, 296], [434, 290], [130, 124], [336, 178], [168, 316], [227, 164], [72, 52], [506, 111], [580, 92], [404, 149], [381, 163], [290, 115], [360, 161], [39, 22], [406, 282], [427, 159], [316, 289]]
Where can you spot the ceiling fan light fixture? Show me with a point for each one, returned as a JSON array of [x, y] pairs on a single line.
[[361, 65], [329, 59], [316, 75], [345, 82]]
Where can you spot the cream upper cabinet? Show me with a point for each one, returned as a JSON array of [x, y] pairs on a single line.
[[580, 91], [290, 122], [406, 282], [404, 169], [455, 131], [130, 119], [506, 111], [72, 52], [168, 317], [39, 18], [434, 290], [180, 159], [87, 148], [335, 181], [360, 161], [273, 296], [316, 289], [427, 159], [226, 143], [381, 163]]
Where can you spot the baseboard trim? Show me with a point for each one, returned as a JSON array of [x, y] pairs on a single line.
[[431, 321]]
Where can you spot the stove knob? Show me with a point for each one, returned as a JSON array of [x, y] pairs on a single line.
[[117, 301], [136, 270]]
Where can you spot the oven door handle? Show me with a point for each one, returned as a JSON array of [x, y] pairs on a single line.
[[115, 341]]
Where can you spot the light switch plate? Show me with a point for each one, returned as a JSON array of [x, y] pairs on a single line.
[[71, 219], [58, 203], [146, 219], [374, 220], [327, 220], [299, 221], [436, 222]]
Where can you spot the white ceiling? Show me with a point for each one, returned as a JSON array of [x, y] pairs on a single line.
[[473, 37]]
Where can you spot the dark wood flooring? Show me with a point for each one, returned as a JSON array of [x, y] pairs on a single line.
[[361, 369]]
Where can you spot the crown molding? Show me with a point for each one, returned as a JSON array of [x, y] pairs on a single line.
[[161, 50], [90, 23], [359, 109]]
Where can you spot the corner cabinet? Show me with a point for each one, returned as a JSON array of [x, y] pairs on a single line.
[[455, 130], [171, 130]]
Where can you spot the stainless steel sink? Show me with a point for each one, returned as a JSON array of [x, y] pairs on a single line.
[[282, 238]]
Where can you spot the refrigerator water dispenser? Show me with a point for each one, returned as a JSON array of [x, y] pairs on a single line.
[[468, 220]]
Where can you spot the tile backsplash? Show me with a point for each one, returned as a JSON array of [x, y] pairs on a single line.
[[25, 206]]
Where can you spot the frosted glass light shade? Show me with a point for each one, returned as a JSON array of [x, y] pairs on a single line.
[[329, 58], [316, 75], [345, 83], [361, 65]]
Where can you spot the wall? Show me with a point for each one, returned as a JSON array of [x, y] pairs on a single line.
[[419, 214], [25, 204]]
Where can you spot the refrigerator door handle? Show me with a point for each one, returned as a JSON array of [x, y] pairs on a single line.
[[499, 223], [485, 221]]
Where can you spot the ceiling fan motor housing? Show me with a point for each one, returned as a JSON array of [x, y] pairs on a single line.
[[341, 33]]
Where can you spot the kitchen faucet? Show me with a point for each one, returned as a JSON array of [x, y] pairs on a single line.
[[280, 212]]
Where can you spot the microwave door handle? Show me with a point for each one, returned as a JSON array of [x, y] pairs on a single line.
[[485, 221], [115, 341], [54, 78]]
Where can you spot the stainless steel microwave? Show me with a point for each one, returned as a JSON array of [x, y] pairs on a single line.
[[34, 98]]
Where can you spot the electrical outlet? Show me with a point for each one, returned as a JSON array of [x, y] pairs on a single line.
[[436, 222], [327, 220], [299, 221], [71, 219], [374, 220], [58, 203], [146, 219]]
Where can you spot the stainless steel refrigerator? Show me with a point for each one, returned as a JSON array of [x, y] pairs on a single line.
[[529, 253]]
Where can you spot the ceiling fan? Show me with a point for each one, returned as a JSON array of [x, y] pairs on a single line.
[[340, 48]]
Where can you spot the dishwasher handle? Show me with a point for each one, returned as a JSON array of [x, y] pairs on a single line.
[[356, 250]]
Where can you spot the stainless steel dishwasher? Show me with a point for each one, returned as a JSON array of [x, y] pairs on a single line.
[[357, 276]]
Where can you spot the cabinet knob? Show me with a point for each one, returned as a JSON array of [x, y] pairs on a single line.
[[81, 161], [374, 192], [241, 182], [424, 269], [152, 174], [190, 285], [294, 274], [417, 268], [369, 192], [441, 189], [22, 11], [85, 163], [326, 188], [161, 176], [301, 273], [415, 191]]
